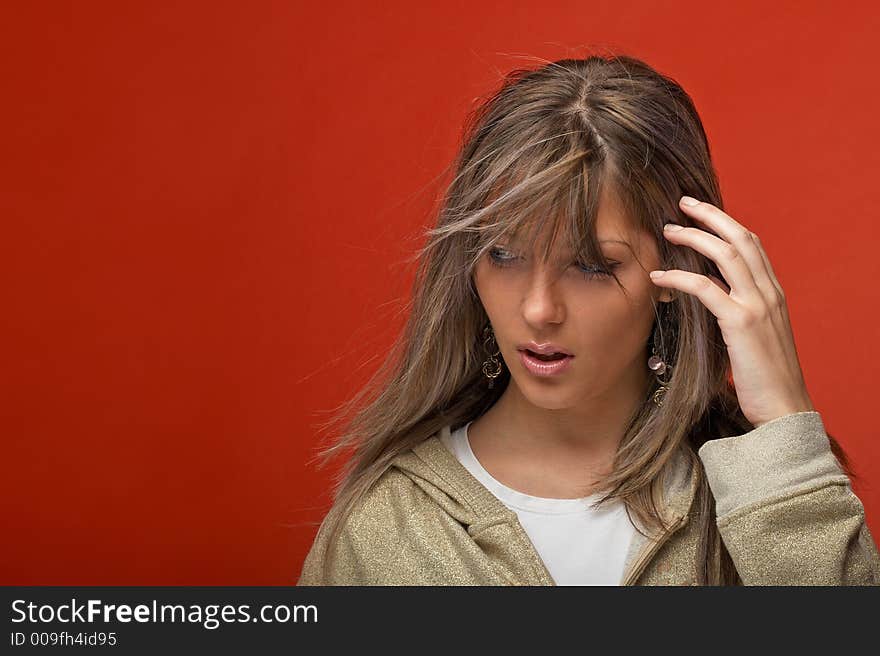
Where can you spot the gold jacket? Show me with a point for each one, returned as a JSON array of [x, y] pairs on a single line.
[[784, 508]]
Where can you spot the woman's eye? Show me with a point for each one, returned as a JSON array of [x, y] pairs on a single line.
[[502, 258], [591, 272]]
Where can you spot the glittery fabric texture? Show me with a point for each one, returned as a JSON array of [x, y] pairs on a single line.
[[785, 511]]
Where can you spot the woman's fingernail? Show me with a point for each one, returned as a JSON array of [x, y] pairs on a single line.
[[687, 200], [672, 226], [656, 274]]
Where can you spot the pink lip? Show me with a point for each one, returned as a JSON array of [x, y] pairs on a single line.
[[547, 348], [541, 368]]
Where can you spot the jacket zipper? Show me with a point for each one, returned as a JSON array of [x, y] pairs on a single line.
[[653, 548]]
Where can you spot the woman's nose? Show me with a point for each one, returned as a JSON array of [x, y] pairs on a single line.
[[543, 301]]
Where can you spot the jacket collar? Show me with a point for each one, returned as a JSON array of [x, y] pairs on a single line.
[[439, 473]]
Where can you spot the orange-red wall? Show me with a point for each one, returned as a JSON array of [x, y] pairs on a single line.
[[207, 208]]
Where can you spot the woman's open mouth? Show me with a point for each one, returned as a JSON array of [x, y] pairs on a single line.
[[545, 365]]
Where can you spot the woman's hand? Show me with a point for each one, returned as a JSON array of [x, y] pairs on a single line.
[[753, 316]]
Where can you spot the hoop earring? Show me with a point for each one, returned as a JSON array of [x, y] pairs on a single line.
[[659, 360], [492, 361]]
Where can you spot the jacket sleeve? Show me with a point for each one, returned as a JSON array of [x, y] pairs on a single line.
[[391, 537], [361, 555], [312, 572], [785, 509]]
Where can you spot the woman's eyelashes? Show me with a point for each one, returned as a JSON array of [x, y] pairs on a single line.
[[501, 258]]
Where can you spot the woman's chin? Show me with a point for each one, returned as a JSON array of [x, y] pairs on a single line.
[[549, 397]]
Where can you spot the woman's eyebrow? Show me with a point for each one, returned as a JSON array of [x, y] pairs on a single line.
[[601, 241]]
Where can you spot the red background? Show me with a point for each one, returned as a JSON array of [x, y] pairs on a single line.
[[207, 209]]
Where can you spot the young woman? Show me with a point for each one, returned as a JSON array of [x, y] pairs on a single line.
[[554, 415]]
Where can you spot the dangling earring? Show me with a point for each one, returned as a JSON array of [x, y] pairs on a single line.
[[658, 362], [492, 360]]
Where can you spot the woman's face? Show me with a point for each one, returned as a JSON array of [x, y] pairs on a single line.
[[587, 315]]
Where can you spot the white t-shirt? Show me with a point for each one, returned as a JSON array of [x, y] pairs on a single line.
[[579, 545]]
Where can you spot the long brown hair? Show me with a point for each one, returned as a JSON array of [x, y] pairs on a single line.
[[546, 144]]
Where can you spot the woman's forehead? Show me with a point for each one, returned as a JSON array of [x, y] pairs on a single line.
[[610, 226], [608, 233], [610, 241]]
